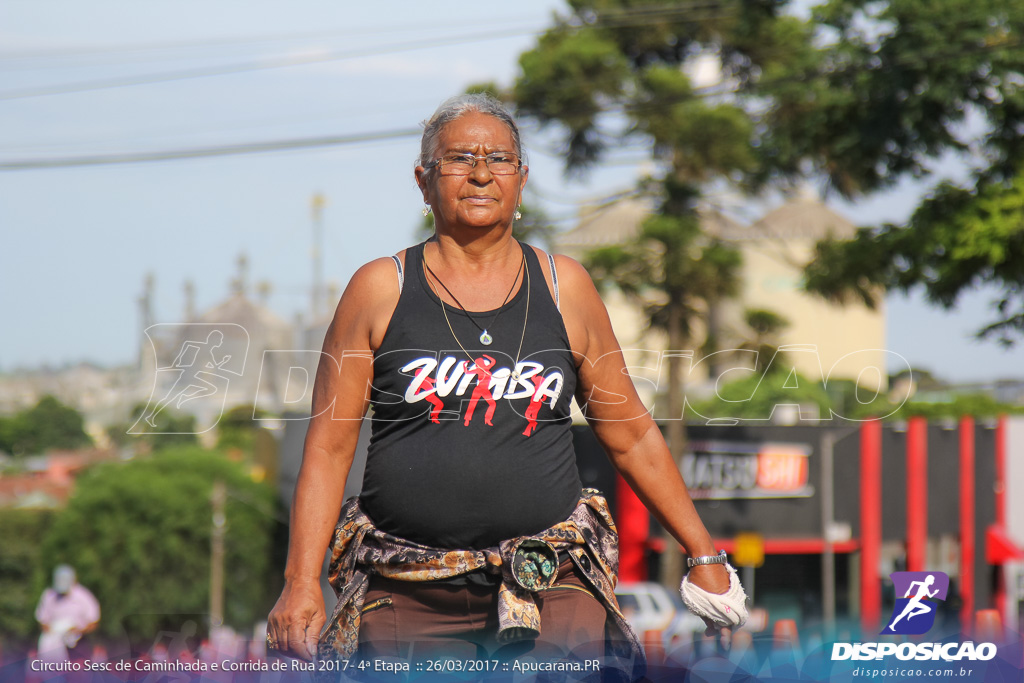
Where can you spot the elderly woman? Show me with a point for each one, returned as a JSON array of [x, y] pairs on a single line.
[[472, 535]]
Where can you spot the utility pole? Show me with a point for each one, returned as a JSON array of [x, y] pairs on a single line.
[[218, 499], [828, 556], [317, 206], [827, 444]]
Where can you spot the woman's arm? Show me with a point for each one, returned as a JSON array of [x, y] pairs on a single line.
[[340, 399], [623, 424]]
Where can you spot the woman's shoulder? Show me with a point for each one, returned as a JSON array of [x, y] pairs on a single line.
[[569, 274], [369, 300], [583, 311], [380, 276]]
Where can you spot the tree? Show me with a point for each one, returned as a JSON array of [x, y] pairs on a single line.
[[238, 427], [21, 580], [757, 396], [47, 425], [860, 95], [910, 81], [612, 70], [138, 533], [176, 430], [955, 241], [957, 405], [766, 327]]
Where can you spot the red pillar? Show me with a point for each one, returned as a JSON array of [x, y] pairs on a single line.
[[870, 523], [917, 493], [634, 524], [999, 595], [967, 522]]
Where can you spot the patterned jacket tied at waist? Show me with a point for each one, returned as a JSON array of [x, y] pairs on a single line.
[[525, 564]]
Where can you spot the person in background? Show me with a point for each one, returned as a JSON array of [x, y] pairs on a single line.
[[66, 611]]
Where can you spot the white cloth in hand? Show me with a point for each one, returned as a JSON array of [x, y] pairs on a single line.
[[727, 610]]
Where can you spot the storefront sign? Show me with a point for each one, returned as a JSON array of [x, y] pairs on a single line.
[[735, 469]]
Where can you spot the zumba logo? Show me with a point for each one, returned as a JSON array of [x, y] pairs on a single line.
[[912, 615]]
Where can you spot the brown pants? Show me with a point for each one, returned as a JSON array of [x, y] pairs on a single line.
[[417, 621]]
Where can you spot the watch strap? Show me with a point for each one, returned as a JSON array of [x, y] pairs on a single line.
[[720, 558]]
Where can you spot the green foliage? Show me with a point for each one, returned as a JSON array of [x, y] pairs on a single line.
[[612, 56], [957, 405], [48, 425], [671, 269], [611, 70], [139, 532], [755, 396], [925, 380], [764, 323], [21, 581], [488, 88], [850, 401], [238, 426], [909, 80], [175, 430], [765, 326], [956, 240], [863, 93], [894, 85], [569, 78], [702, 141]]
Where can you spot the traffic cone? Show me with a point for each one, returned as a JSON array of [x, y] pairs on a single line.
[[742, 641], [654, 648], [988, 626], [785, 635]]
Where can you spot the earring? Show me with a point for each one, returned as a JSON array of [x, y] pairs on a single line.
[[517, 215], [426, 209]]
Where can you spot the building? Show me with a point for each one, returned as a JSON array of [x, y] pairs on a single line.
[[816, 518], [821, 340]]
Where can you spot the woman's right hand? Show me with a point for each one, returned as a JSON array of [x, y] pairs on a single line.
[[294, 624]]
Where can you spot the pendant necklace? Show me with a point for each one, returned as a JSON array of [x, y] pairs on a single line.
[[485, 337], [515, 371]]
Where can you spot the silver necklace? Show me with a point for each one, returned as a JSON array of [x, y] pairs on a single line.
[[485, 337], [515, 367]]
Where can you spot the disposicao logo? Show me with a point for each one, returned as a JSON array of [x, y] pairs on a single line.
[[914, 614]]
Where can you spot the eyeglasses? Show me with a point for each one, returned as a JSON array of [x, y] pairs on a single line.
[[498, 163]]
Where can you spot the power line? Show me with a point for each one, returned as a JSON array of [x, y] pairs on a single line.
[[682, 14], [240, 67], [357, 138], [85, 51], [80, 51], [200, 152]]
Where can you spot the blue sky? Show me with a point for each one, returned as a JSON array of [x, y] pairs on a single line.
[[79, 241]]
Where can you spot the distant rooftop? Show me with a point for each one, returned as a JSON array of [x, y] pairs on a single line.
[[800, 218]]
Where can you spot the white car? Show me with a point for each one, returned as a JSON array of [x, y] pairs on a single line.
[[649, 606]]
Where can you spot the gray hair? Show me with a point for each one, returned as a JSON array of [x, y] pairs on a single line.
[[453, 108]]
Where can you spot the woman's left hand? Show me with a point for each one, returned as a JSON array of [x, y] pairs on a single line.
[[714, 593], [714, 578]]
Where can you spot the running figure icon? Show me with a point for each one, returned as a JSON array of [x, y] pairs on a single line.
[[915, 607], [191, 382]]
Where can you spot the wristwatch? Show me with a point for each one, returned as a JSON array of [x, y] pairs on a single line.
[[707, 559]]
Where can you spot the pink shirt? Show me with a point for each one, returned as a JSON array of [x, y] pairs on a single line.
[[79, 607]]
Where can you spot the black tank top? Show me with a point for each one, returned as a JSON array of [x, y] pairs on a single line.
[[462, 454]]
